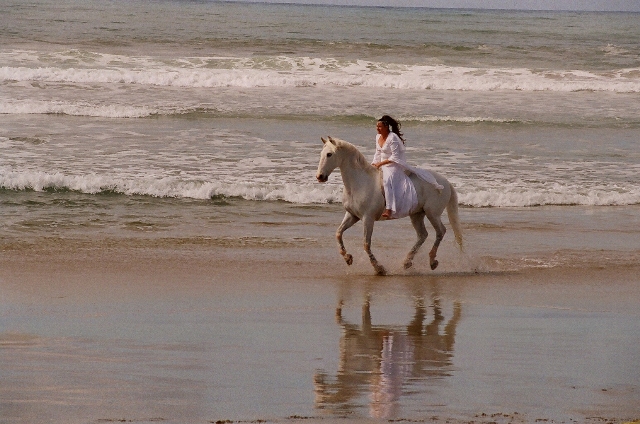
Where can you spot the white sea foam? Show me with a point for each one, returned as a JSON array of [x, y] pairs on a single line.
[[75, 109], [38, 107], [170, 187], [308, 72], [464, 119], [522, 197], [304, 193]]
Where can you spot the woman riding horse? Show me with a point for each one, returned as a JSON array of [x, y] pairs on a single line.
[[399, 192]]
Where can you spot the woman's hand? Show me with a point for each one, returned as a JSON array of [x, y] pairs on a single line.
[[383, 163]]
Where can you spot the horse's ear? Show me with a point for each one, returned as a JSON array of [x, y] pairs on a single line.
[[323, 140], [332, 141]]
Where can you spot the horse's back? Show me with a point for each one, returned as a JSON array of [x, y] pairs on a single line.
[[431, 200]]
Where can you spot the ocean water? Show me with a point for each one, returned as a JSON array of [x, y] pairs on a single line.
[[139, 103]]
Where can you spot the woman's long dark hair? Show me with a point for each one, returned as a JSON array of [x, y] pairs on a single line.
[[393, 125]]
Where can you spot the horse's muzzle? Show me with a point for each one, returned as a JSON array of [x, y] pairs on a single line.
[[322, 178]]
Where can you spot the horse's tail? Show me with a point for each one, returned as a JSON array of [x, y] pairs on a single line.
[[454, 220]]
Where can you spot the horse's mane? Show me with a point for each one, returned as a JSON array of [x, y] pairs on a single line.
[[358, 158]]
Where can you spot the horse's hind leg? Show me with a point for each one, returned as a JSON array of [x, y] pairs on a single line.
[[440, 230], [418, 224], [368, 231], [347, 222]]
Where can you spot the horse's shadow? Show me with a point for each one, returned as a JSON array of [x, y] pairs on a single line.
[[377, 362]]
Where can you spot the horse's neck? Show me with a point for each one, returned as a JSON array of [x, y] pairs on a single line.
[[355, 176]]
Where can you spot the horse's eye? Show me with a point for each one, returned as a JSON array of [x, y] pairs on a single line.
[[329, 155]]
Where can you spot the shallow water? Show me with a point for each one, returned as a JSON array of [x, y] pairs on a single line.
[[495, 239]]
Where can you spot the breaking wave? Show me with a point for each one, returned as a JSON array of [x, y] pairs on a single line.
[[304, 193], [283, 71]]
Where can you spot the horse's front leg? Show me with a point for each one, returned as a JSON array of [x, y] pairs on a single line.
[[348, 221], [440, 230], [368, 231], [418, 224]]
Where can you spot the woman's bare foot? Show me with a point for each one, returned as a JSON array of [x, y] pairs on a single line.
[[386, 214]]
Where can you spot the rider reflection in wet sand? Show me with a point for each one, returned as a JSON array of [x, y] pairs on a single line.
[[378, 360]]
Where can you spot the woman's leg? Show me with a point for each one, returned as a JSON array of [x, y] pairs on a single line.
[[389, 194]]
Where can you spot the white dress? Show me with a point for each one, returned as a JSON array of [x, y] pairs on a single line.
[[400, 194]]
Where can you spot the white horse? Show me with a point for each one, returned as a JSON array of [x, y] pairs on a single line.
[[363, 199]]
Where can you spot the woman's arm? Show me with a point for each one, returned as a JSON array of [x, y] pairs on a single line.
[[384, 162], [376, 157], [397, 153]]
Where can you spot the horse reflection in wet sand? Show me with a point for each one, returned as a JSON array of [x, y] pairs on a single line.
[[363, 199], [378, 360]]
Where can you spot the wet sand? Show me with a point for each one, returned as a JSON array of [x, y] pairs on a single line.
[[198, 329]]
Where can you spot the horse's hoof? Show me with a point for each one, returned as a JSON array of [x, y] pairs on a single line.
[[348, 259], [434, 265], [408, 264], [380, 270]]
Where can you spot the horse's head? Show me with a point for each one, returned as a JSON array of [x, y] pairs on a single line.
[[328, 159]]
